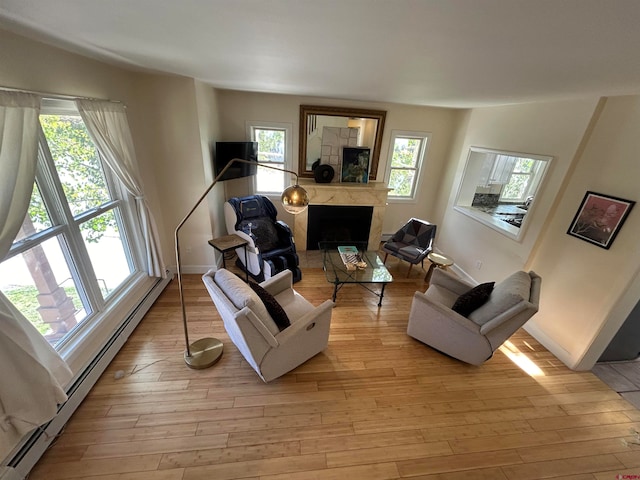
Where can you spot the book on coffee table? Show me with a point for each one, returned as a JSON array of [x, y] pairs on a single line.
[[351, 257]]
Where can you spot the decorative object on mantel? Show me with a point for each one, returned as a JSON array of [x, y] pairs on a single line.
[[334, 141], [599, 218], [205, 352], [323, 173], [355, 165]]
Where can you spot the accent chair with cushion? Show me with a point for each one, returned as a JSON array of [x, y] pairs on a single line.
[[486, 315], [273, 326], [271, 248], [412, 243]]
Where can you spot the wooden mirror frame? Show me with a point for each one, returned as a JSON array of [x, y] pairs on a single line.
[[306, 110]]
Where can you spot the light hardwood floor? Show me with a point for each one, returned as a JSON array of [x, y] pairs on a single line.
[[375, 405]]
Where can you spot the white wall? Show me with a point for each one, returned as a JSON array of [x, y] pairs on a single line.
[[32, 65], [209, 121], [443, 125], [175, 142], [588, 291], [554, 129], [238, 107]]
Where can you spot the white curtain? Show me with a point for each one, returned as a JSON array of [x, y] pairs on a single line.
[[32, 374], [18, 150], [107, 123]]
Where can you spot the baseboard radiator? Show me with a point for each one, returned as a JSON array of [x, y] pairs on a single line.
[[34, 446]]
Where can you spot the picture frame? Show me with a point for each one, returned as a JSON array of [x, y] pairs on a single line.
[[599, 218], [355, 165]]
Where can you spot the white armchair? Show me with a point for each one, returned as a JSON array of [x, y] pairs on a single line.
[[269, 351], [472, 339]]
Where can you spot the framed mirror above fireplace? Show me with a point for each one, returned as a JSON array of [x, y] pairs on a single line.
[[313, 119]]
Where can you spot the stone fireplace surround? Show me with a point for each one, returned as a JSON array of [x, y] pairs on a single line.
[[367, 194]]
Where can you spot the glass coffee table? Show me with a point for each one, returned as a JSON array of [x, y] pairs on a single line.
[[339, 275]]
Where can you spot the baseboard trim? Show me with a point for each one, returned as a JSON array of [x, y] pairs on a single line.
[[560, 353], [7, 473], [34, 446]]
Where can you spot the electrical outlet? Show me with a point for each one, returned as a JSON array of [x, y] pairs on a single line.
[[478, 264]]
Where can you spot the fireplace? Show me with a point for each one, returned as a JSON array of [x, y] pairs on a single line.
[[338, 223], [372, 195]]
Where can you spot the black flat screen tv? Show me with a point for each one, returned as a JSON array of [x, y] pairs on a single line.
[[227, 151]]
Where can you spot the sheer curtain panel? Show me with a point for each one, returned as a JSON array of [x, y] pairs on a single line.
[[32, 374], [108, 126]]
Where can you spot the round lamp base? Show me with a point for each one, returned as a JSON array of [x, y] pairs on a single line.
[[204, 353]]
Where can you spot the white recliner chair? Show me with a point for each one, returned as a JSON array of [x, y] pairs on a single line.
[[473, 338], [270, 349]]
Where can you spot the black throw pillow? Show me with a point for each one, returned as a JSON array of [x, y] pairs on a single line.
[[273, 307], [473, 299]]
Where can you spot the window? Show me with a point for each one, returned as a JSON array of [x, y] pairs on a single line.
[[498, 188], [73, 252], [520, 182], [273, 150], [405, 160]]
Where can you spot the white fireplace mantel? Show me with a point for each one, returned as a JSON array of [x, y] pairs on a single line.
[[363, 194]]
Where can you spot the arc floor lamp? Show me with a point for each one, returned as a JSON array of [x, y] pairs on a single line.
[[205, 352]]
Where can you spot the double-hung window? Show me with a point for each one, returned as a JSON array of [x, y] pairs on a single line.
[[406, 157], [274, 150], [74, 251], [522, 180]]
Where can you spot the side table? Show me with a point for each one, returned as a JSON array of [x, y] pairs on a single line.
[[228, 243], [437, 261]]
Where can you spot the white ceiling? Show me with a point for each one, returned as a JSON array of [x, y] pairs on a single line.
[[454, 53]]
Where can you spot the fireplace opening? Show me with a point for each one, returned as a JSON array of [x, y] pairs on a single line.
[[333, 223]]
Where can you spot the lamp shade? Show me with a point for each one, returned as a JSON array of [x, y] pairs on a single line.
[[295, 199]]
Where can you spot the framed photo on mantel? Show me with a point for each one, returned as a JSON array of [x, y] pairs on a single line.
[[599, 218], [355, 165]]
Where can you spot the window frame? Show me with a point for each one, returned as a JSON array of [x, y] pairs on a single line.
[[251, 127], [532, 181], [425, 138], [473, 175], [65, 224]]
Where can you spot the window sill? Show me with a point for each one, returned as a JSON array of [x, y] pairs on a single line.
[[491, 221], [401, 200]]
